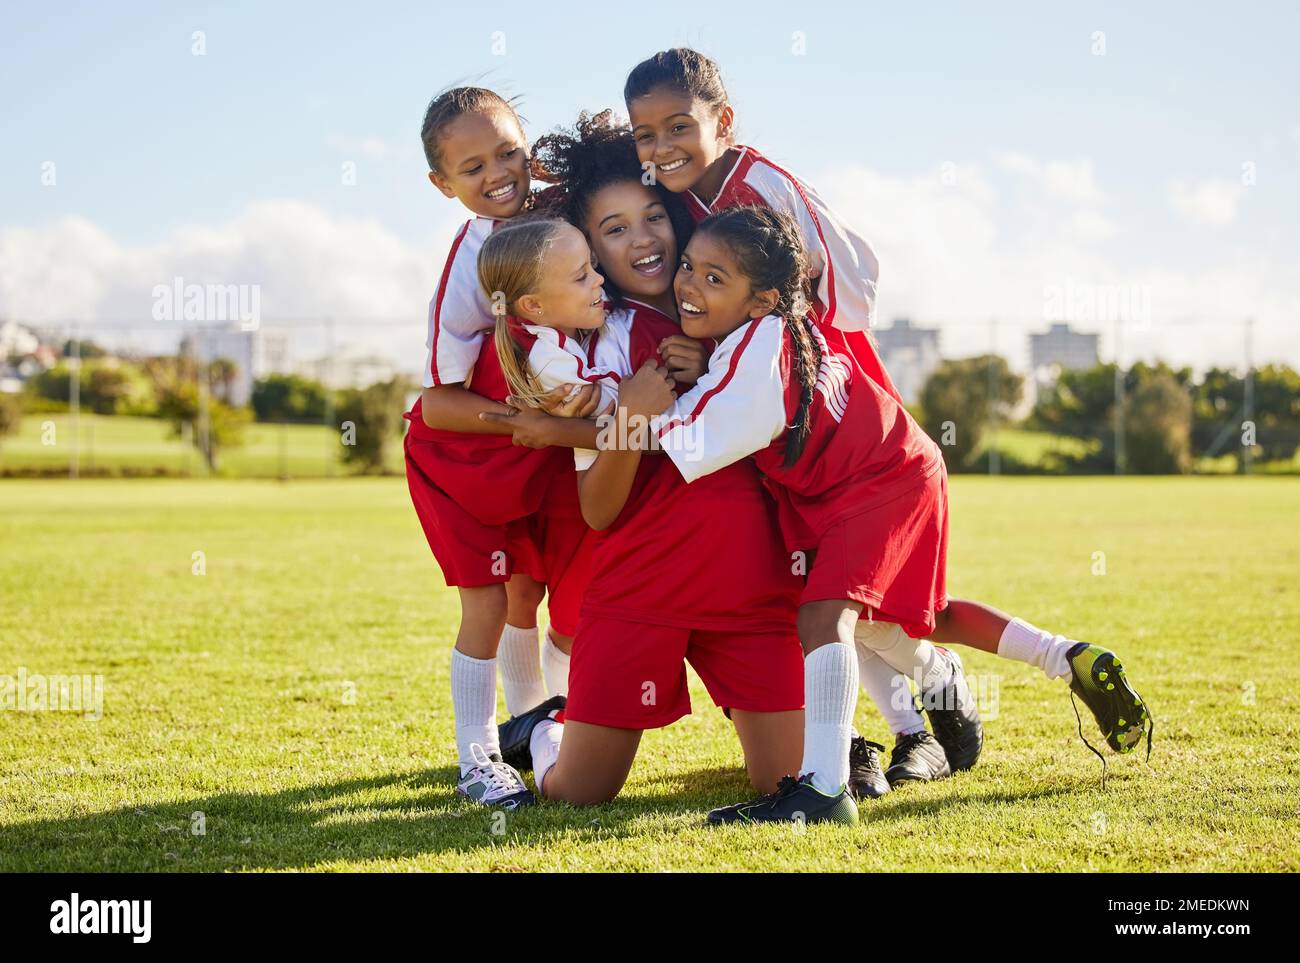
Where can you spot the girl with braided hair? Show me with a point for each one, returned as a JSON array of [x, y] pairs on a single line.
[[678, 573], [859, 487]]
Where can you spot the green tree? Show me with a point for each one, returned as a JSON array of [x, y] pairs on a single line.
[[178, 402], [89, 349], [370, 419], [1159, 426], [108, 386], [1219, 414], [961, 398], [291, 397], [11, 413]]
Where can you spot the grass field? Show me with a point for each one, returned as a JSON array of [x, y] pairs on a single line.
[[120, 443], [296, 694]]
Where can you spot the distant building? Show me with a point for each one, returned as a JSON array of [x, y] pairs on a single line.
[[1061, 349], [255, 354], [22, 356], [910, 355], [349, 371], [16, 340]]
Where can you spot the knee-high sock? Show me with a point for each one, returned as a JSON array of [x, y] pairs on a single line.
[[555, 668], [1043, 650], [918, 659], [545, 747], [887, 688], [830, 685], [474, 700], [521, 673]]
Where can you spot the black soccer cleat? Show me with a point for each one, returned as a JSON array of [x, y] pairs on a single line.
[[795, 800], [1097, 677], [866, 777], [515, 733], [955, 718], [917, 757]]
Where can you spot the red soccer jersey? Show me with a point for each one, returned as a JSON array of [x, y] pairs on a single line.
[[702, 556], [492, 478], [863, 448], [841, 261]]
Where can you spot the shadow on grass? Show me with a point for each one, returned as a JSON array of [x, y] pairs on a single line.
[[396, 816]]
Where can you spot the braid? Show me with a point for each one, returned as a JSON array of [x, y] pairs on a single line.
[[806, 364], [769, 251]]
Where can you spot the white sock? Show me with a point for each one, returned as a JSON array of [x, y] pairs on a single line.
[[830, 687], [918, 659], [555, 668], [474, 700], [889, 691], [1026, 643], [521, 673], [545, 747]]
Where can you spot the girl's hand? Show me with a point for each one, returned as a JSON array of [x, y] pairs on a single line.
[[648, 392], [582, 405], [528, 425], [686, 358]]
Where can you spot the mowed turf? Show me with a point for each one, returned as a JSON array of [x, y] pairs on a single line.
[[296, 694]]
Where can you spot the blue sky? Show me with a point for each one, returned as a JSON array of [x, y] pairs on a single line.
[[1124, 168]]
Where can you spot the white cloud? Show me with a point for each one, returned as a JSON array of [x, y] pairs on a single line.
[[1214, 200], [955, 251], [958, 256], [308, 264], [1073, 181]]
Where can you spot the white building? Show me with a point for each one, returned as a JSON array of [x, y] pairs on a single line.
[[910, 355], [1061, 349], [349, 371], [255, 354]]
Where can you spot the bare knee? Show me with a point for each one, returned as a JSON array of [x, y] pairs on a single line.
[[524, 595], [820, 623]]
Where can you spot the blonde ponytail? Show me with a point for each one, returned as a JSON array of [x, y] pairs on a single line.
[[510, 266]]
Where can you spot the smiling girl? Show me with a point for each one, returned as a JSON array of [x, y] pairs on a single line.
[[503, 522], [858, 485], [679, 573]]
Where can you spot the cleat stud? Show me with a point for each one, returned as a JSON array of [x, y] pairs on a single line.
[[1102, 676], [1122, 722], [1109, 686]]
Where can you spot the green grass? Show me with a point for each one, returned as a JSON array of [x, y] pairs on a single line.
[[119, 443], [224, 693]]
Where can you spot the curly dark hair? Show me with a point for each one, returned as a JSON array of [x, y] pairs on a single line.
[[580, 160], [768, 248]]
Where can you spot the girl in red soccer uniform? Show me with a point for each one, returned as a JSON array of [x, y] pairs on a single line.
[[501, 520], [858, 485], [683, 125], [679, 573]]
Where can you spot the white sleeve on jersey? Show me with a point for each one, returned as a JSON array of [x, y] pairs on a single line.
[[736, 409], [613, 354], [556, 360], [460, 315], [842, 261]]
